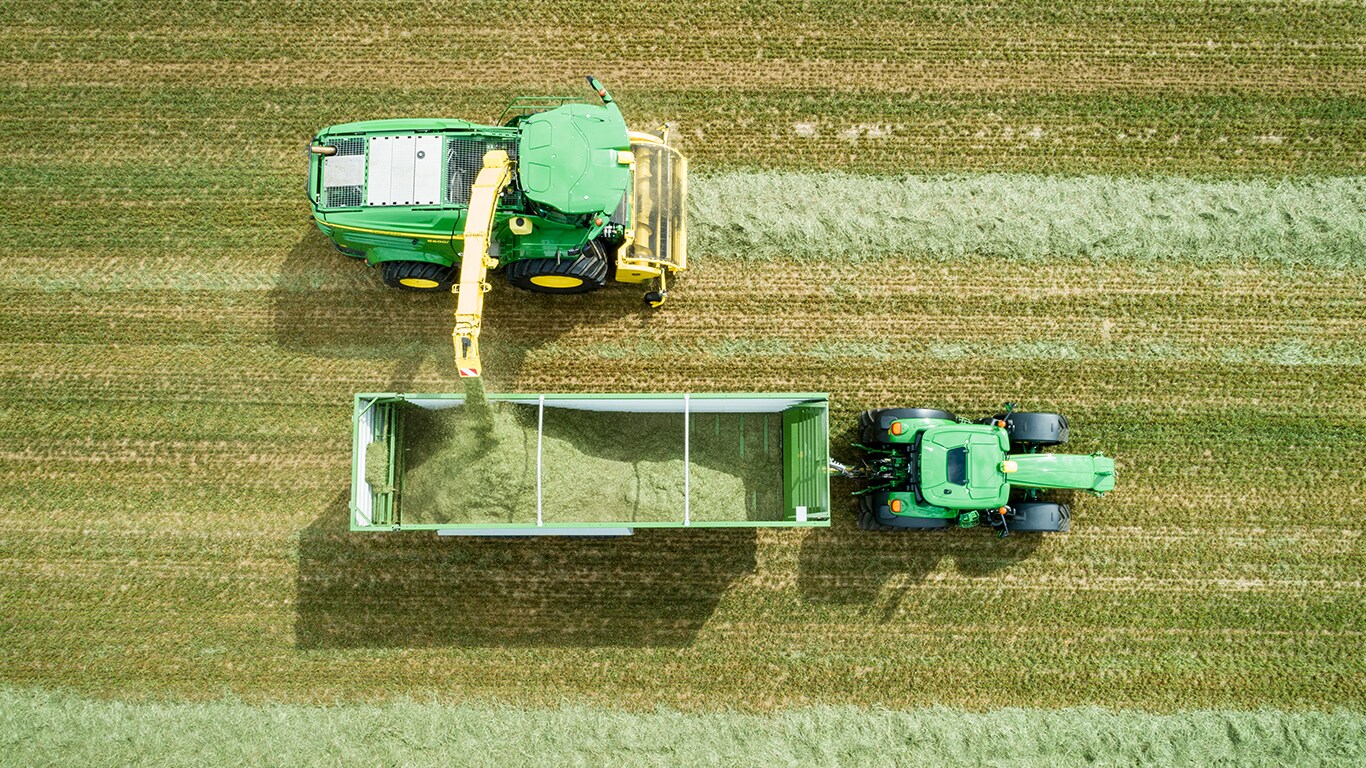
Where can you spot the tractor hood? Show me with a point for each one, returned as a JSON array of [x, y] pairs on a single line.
[[1095, 473], [575, 158], [960, 466]]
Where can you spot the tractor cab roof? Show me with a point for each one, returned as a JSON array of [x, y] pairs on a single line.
[[960, 466], [571, 158]]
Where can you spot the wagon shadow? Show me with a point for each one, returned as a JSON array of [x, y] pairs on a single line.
[[325, 304], [415, 589]]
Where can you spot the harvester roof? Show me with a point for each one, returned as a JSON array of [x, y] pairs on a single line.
[[569, 158]]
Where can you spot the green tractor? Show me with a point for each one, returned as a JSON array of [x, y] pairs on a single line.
[[924, 468], [559, 194]]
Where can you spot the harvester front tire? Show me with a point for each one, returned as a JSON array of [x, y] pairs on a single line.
[[423, 276], [873, 425], [1039, 517], [874, 516], [587, 272], [1038, 430]]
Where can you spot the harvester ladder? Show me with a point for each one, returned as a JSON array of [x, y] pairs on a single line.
[[475, 262]]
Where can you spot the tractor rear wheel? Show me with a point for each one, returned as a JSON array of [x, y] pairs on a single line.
[[417, 275], [874, 515], [1037, 430], [584, 273], [1039, 517], [873, 425]]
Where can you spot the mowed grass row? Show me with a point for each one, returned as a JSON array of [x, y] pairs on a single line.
[[152, 210], [45, 728], [178, 470]]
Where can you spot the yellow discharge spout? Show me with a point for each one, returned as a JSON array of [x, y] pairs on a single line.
[[475, 262]]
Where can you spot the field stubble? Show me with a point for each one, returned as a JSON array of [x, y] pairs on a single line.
[[179, 349], [178, 466]]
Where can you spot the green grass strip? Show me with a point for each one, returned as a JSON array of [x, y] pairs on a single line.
[[769, 214], [43, 728]]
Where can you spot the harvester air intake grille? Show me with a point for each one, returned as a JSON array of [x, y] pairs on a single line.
[[464, 158], [344, 174], [341, 197], [348, 146]]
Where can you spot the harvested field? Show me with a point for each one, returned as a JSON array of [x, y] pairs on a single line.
[[1151, 86], [177, 472], [1147, 216]]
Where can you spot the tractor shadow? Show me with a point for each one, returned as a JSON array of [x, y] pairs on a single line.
[[328, 305], [848, 565], [416, 590]]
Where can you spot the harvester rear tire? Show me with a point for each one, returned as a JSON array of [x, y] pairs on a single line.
[[1039, 517], [1038, 430], [870, 519], [873, 425], [587, 272], [422, 276]]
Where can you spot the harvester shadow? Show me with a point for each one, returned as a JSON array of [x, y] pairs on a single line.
[[415, 589], [328, 305], [331, 306]]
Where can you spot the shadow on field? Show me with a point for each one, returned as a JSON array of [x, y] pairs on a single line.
[[415, 589], [329, 305], [848, 565]]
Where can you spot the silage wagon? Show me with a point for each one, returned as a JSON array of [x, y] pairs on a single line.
[[599, 464]]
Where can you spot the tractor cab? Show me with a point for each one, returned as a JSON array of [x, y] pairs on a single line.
[[961, 466]]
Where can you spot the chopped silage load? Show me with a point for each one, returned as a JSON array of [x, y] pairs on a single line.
[[477, 464], [377, 466]]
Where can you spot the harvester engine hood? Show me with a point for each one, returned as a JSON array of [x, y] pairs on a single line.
[[575, 158]]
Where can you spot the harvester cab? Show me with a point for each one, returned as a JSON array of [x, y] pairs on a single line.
[[924, 468], [561, 196]]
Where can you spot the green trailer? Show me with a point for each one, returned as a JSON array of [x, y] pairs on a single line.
[[588, 464]]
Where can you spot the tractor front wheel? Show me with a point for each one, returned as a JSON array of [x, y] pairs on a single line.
[[417, 275], [873, 425], [1035, 430], [875, 515], [1039, 517], [587, 272]]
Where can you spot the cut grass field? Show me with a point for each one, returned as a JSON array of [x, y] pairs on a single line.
[[1177, 87], [179, 349], [175, 471], [38, 729]]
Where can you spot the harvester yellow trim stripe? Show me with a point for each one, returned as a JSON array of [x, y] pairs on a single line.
[[556, 281], [474, 260], [418, 235]]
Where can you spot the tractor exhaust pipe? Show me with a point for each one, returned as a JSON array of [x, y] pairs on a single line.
[[322, 150]]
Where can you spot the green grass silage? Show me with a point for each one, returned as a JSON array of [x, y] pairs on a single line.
[[40, 728], [477, 465], [1314, 221]]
